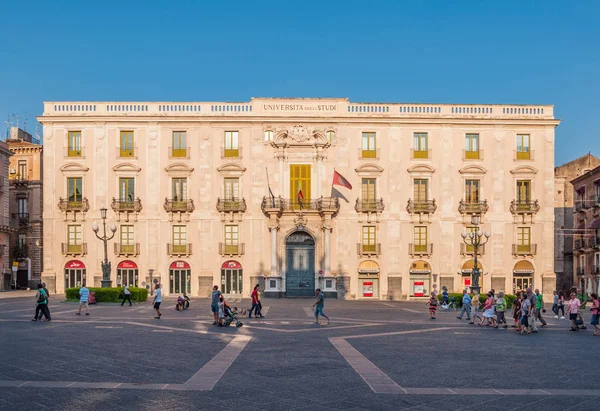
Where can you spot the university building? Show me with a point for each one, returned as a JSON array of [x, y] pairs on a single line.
[[236, 194]]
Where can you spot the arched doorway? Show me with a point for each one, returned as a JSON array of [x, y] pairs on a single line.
[[74, 274], [522, 276], [180, 276], [300, 264], [368, 279], [231, 278], [127, 274], [420, 279], [466, 271]]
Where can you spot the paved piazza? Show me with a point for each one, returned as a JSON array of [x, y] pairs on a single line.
[[374, 355]]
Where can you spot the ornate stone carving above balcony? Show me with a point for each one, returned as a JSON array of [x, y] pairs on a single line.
[[74, 207], [126, 207]]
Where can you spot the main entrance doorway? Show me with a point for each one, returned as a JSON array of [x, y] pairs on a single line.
[[231, 278], [127, 274], [180, 277], [74, 274], [300, 262]]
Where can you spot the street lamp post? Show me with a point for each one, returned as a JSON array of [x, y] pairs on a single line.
[[476, 239], [106, 281]]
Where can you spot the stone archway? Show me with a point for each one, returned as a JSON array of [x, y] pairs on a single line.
[[300, 265]]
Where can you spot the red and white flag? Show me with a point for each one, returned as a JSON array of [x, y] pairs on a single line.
[[339, 180]]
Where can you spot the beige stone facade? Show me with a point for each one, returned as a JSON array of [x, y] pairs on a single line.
[[186, 184], [5, 228]]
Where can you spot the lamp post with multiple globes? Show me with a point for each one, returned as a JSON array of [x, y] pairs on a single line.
[[106, 281], [476, 239]]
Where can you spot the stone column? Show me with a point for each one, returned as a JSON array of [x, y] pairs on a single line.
[[274, 227], [326, 227]]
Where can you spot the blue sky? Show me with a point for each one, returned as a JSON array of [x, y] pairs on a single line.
[[522, 52]]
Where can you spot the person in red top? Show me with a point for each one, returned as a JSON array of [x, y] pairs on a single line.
[[254, 296]]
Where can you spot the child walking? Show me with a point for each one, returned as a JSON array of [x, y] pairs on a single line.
[[432, 307], [475, 304]]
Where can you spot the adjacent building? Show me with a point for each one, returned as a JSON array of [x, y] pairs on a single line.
[[586, 247], [5, 228], [26, 202], [563, 218], [236, 194]]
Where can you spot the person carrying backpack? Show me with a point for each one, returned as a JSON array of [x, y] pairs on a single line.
[[41, 298]]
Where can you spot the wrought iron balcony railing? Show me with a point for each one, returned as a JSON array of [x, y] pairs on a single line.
[[232, 249], [369, 206], [421, 206], [320, 205], [368, 249], [524, 207], [127, 249], [134, 206], [22, 219], [78, 206], [420, 249], [480, 207], [74, 249], [580, 206], [179, 249], [231, 205], [524, 249], [179, 206]]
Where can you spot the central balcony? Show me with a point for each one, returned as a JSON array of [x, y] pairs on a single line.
[[480, 207], [524, 249], [231, 205], [179, 250], [127, 250], [420, 249], [69, 206], [369, 206], [524, 207], [126, 207], [232, 249], [470, 250], [321, 206], [74, 249], [179, 207], [421, 206], [21, 218], [368, 249]]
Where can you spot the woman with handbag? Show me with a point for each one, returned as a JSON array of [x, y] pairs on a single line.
[[41, 299]]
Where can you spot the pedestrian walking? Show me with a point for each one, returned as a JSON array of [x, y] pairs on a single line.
[[573, 310], [517, 311], [530, 296], [214, 303], [466, 306], [595, 313], [539, 307], [475, 304], [41, 307], [254, 297], [555, 304], [432, 307], [157, 300], [319, 306], [258, 299], [221, 310], [525, 312], [84, 294], [500, 310], [126, 296], [488, 310], [561, 305]]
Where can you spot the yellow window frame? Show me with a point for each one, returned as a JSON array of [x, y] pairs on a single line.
[[420, 239], [179, 148], [126, 148], [231, 147], [369, 144], [369, 238], [74, 144], [420, 145]]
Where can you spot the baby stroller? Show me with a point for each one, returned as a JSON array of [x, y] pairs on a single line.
[[231, 316], [446, 306], [579, 322]]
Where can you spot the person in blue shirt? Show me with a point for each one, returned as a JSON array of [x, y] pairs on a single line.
[[466, 306], [445, 296], [84, 294]]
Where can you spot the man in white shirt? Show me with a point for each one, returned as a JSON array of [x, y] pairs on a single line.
[[157, 301]]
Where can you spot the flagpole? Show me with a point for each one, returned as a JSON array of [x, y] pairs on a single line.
[[269, 187], [333, 177]]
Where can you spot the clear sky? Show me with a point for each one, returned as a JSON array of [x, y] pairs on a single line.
[[522, 52]]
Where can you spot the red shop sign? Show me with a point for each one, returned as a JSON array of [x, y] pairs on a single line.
[[179, 265], [231, 265], [127, 264], [75, 264]]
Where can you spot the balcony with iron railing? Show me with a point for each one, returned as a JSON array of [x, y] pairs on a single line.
[[20, 219], [179, 206], [369, 206], [368, 154], [126, 206], [524, 207], [580, 270], [179, 250], [420, 154], [368, 249], [20, 251], [232, 249], [421, 206], [231, 205], [420, 249], [524, 249], [322, 205], [233, 153], [472, 154], [179, 152], [76, 206], [479, 207], [470, 250], [580, 206], [74, 249], [596, 269], [127, 250]]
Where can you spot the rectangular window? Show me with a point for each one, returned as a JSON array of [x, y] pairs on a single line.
[[369, 239], [523, 239], [179, 189], [420, 145], [22, 170], [469, 230], [523, 147], [420, 190], [126, 190], [596, 192], [523, 192], [231, 239], [300, 181], [179, 239], [471, 191], [22, 207], [368, 145], [269, 135], [74, 190], [74, 239], [368, 190], [127, 241], [232, 188], [472, 146], [232, 148], [420, 239], [126, 147], [74, 148], [179, 144]]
